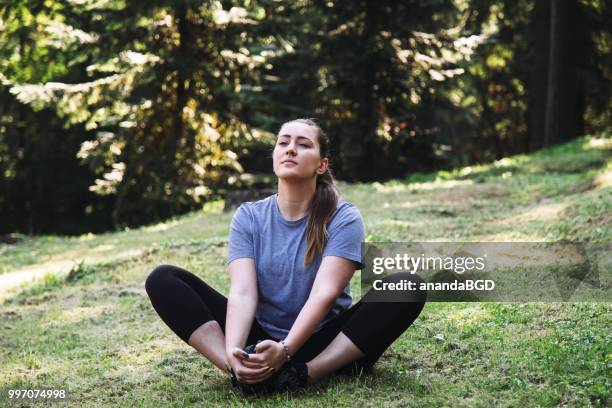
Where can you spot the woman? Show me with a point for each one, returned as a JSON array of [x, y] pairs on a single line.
[[291, 258]]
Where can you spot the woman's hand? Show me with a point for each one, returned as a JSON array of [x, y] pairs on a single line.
[[269, 354], [245, 370]]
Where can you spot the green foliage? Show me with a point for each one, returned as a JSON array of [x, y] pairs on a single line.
[[380, 99], [157, 98], [117, 113]]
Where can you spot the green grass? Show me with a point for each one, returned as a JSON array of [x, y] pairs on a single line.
[[88, 326]]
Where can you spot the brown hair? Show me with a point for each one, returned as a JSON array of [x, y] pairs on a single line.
[[324, 202]]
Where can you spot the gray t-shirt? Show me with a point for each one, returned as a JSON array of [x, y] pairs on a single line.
[[259, 231]]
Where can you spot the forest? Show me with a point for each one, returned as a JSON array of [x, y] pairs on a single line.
[[116, 114]]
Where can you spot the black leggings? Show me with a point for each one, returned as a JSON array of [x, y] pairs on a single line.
[[185, 302]]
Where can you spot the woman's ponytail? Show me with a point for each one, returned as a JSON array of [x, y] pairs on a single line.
[[322, 207]]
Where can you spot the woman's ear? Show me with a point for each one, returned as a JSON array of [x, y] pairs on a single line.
[[323, 166]]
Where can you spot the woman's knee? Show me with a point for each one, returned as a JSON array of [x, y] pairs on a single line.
[[158, 277], [406, 304]]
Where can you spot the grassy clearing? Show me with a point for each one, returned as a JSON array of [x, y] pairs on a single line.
[[87, 325]]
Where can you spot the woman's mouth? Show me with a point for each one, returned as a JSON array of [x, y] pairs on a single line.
[[289, 162]]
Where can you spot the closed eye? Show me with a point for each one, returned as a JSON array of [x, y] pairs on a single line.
[[285, 143]]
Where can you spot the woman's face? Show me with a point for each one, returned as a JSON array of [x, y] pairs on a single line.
[[296, 154]]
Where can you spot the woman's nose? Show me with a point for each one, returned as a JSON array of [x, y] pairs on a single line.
[[290, 149]]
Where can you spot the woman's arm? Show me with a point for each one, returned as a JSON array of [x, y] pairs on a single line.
[[241, 302], [333, 275], [241, 305]]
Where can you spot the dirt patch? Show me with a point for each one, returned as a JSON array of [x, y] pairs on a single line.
[[603, 180], [542, 212], [479, 192]]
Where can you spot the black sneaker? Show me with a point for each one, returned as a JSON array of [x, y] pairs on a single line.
[[244, 388], [292, 376]]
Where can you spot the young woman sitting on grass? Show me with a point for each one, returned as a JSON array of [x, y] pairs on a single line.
[[291, 259]]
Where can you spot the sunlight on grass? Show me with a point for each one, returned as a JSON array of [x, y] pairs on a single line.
[[87, 237], [396, 187], [76, 314], [402, 223], [404, 205], [440, 184], [469, 316], [30, 276], [603, 180], [25, 276], [510, 236], [389, 187], [148, 351], [162, 226], [544, 212], [103, 248], [598, 143]]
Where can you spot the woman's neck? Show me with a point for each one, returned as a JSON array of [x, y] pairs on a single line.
[[294, 198]]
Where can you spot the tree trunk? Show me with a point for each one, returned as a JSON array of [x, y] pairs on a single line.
[[569, 109], [553, 92], [556, 106], [181, 96], [359, 148], [539, 74]]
